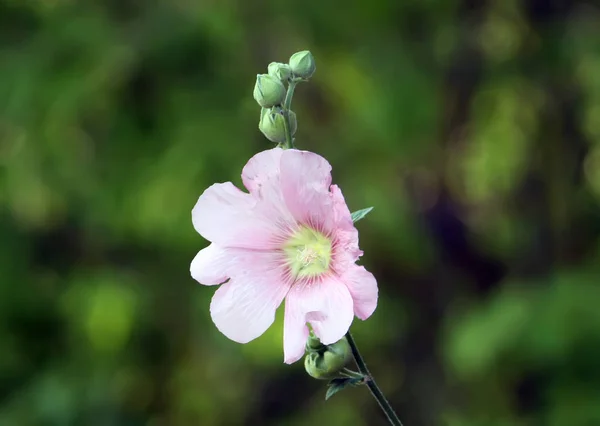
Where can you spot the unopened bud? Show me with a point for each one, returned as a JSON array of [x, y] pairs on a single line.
[[268, 91], [303, 64], [272, 124], [328, 363], [280, 71]]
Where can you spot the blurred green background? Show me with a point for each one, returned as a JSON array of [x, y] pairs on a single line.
[[473, 127]]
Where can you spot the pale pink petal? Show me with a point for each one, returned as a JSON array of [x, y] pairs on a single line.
[[244, 307], [346, 235], [342, 214], [305, 180], [363, 288], [261, 176], [209, 267], [227, 216], [262, 169], [346, 251], [326, 305], [295, 332]]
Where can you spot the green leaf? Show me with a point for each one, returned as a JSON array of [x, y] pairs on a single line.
[[359, 214], [336, 385]]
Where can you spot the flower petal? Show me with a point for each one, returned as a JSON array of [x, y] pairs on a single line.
[[363, 288], [261, 176], [244, 307], [227, 216], [342, 214], [347, 251], [305, 180], [209, 267], [261, 169], [295, 332], [326, 305]]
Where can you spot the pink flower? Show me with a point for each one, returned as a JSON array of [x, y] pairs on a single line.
[[290, 238]]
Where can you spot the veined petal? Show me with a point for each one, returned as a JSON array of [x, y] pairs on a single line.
[[295, 332], [261, 176], [342, 214], [347, 251], [210, 265], [227, 216], [363, 289], [305, 180], [244, 307], [261, 169], [326, 305]]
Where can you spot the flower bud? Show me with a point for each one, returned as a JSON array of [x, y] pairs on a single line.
[[303, 64], [280, 71], [327, 364], [268, 91], [272, 124]]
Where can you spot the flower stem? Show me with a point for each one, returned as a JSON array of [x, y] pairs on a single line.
[[370, 381], [287, 103]]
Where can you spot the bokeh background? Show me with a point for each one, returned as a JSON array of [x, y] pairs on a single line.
[[472, 126]]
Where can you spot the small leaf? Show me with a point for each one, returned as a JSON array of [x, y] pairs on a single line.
[[359, 214], [336, 385]]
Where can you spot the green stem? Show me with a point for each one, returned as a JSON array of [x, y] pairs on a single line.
[[287, 103], [375, 391]]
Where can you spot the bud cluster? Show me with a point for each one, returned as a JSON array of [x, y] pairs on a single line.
[[277, 122]]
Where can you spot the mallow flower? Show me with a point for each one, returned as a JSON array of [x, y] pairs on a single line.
[[291, 237]]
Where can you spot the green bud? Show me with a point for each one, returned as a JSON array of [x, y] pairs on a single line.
[[268, 91], [280, 71], [303, 64], [325, 365], [272, 124]]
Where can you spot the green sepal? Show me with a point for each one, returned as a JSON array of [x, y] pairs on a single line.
[[341, 383], [280, 71], [359, 214]]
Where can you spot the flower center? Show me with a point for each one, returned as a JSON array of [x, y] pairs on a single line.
[[308, 253]]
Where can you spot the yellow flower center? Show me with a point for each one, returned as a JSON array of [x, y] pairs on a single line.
[[308, 253]]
